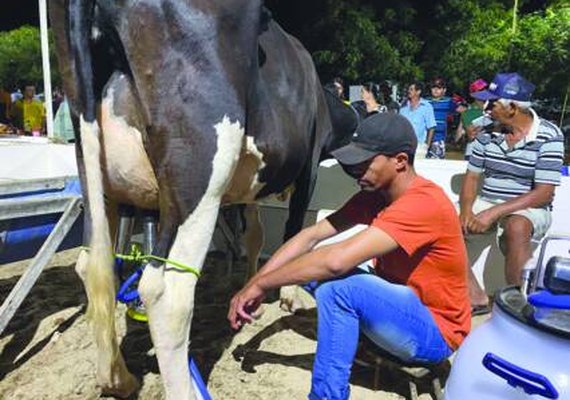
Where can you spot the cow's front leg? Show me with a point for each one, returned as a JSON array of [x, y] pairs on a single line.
[[167, 292], [168, 295], [187, 220]]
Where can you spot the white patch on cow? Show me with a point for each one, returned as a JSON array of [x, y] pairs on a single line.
[[194, 235], [245, 183], [251, 149], [128, 170], [91, 150]]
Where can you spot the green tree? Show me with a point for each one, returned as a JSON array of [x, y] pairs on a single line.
[[541, 50], [21, 59], [355, 44], [485, 44]]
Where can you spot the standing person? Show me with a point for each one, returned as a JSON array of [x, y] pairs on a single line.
[[372, 97], [443, 107], [420, 113], [520, 168], [5, 105], [415, 239], [29, 113], [469, 125], [391, 105], [338, 84]]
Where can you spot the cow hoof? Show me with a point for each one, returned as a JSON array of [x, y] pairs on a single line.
[[124, 391], [293, 298]]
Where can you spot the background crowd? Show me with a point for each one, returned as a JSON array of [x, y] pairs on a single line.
[[443, 119]]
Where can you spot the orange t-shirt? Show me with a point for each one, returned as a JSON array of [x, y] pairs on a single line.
[[431, 259]]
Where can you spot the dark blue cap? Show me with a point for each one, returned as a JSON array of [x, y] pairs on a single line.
[[509, 85]]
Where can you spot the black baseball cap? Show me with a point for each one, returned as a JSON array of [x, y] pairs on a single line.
[[384, 133]]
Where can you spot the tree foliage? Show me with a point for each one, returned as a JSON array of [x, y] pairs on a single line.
[[460, 40], [539, 49], [354, 40], [21, 59]]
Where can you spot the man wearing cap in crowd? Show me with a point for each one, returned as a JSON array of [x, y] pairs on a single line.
[[473, 114], [520, 166], [413, 239]]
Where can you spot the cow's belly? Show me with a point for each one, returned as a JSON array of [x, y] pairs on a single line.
[[245, 183], [129, 177]]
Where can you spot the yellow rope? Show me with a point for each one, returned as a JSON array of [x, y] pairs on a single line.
[[136, 256]]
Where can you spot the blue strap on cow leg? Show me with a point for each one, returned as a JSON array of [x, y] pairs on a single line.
[[198, 381]]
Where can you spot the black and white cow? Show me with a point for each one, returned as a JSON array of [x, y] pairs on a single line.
[[180, 106]]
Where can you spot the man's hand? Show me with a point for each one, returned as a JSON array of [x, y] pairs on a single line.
[[483, 221], [467, 219], [243, 305], [472, 131], [478, 223]]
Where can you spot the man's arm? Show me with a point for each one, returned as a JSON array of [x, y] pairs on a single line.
[[429, 136], [459, 132], [298, 245], [467, 197], [331, 261], [539, 196], [472, 131], [323, 263], [431, 123]]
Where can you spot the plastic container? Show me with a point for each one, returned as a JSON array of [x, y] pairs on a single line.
[[514, 355]]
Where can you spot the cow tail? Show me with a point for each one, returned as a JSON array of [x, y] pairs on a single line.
[[99, 280]]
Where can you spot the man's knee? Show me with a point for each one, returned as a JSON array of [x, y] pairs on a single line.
[[325, 292], [337, 290], [517, 231]]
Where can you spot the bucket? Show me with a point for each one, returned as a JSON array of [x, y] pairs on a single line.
[[512, 356]]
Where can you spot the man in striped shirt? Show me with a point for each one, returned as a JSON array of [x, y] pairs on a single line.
[[520, 167]]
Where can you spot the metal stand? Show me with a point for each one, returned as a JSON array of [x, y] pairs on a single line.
[[11, 208]]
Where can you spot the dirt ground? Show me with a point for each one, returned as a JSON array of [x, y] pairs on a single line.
[[47, 352]]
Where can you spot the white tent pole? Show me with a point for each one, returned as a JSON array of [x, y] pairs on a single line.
[[46, 67]]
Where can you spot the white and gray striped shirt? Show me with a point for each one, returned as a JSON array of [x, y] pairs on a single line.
[[509, 173]]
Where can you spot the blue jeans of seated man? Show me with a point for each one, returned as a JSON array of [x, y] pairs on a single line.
[[391, 315]]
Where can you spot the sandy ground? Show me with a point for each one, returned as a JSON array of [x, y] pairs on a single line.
[[46, 352]]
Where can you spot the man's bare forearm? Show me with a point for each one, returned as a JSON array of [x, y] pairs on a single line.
[[468, 192], [429, 136], [538, 197], [298, 245]]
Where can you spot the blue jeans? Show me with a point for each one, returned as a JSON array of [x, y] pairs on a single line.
[[391, 315]]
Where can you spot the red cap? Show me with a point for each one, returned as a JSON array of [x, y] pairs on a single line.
[[477, 86]]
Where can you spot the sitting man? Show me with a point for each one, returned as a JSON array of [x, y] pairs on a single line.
[[521, 166], [415, 306]]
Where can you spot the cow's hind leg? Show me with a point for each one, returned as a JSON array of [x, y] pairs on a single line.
[[187, 221], [96, 269], [293, 297], [252, 238]]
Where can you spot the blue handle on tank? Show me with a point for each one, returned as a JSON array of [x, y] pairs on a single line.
[[546, 299], [195, 373], [125, 293], [530, 382]]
